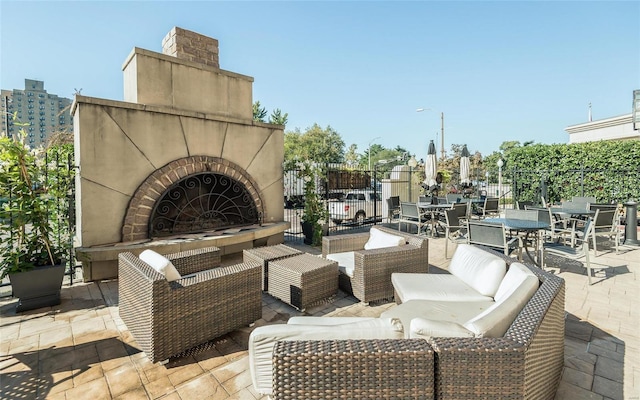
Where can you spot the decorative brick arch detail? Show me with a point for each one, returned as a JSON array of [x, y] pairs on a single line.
[[136, 220]]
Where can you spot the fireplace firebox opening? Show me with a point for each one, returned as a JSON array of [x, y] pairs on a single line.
[[202, 202]]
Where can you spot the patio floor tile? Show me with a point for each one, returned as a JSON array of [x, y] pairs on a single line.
[[81, 349]]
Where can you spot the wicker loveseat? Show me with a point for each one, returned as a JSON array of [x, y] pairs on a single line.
[[525, 363], [372, 269], [168, 318]]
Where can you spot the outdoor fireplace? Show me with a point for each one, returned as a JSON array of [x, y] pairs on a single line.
[[202, 202], [179, 164]]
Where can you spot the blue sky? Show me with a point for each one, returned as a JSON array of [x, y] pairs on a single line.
[[499, 71]]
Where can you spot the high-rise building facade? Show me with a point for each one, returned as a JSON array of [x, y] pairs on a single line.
[[44, 113]]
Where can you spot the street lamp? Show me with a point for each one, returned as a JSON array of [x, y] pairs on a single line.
[[500, 164], [441, 129], [369, 151]]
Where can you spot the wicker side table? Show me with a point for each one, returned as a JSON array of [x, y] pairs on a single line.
[[264, 255], [303, 280]]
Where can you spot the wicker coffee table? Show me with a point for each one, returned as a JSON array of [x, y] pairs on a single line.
[[303, 280], [264, 255]]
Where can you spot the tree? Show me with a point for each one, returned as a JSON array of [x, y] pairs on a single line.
[[315, 145], [351, 157], [259, 112], [276, 117]]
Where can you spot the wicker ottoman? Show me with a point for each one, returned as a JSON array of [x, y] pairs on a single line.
[[264, 255], [303, 280]]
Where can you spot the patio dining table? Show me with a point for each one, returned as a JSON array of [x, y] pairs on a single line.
[[434, 210], [527, 226], [572, 211]]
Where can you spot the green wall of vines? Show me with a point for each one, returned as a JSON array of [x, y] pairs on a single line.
[[608, 170]]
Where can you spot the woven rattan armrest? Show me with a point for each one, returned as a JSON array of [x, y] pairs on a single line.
[[191, 261], [349, 369], [343, 243]]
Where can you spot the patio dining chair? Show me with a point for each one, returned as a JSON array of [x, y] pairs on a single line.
[[571, 252], [410, 215], [455, 228], [493, 235], [490, 208], [393, 205], [605, 223]]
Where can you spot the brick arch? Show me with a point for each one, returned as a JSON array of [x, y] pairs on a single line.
[[136, 220]]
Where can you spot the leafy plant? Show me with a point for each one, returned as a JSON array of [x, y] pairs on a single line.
[[31, 235], [315, 212]]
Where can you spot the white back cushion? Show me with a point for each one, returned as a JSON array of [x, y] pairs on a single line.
[[379, 239], [516, 274], [478, 268], [495, 321], [161, 264]]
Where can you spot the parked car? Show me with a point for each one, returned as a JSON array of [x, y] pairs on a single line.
[[358, 206]]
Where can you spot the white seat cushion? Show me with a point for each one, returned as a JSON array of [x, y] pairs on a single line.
[[379, 240], [326, 321], [346, 261], [478, 268], [421, 328], [263, 339], [457, 312], [161, 264], [437, 287]]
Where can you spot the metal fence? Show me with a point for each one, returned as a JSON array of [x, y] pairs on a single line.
[[352, 197], [59, 190], [607, 185]]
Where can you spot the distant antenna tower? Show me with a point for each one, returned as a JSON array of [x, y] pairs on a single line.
[[590, 119]]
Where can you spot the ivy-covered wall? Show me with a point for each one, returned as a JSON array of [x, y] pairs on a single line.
[[608, 170]]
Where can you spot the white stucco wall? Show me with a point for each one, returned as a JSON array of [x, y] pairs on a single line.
[[615, 128]]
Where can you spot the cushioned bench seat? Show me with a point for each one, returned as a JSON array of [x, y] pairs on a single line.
[[475, 275], [430, 318]]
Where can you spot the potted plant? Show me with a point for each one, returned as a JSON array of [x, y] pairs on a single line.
[[314, 218], [31, 247]]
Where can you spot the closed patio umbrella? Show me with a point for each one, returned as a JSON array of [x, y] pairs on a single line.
[[431, 168], [465, 167]]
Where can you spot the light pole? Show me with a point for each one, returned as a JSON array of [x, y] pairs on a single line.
[[369, 151], [412, 163], [486, 175], [500, 164], [441, 130]]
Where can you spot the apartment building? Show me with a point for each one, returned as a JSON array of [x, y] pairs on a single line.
[[44, 113]]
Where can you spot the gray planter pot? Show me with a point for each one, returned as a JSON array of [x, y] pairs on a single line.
[[37, 288]]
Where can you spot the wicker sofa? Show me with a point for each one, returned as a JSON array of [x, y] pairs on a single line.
[[525, 363], [169, 318], [370, 278]]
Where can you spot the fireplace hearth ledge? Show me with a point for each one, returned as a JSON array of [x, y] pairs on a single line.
[[101, 262]]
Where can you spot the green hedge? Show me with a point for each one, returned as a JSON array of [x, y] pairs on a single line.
[[608, 170]]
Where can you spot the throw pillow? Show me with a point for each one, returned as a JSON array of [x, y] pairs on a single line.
[[161, 264], [379, 239]]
